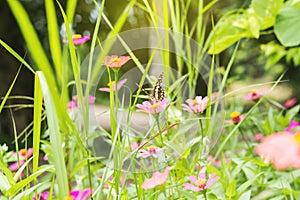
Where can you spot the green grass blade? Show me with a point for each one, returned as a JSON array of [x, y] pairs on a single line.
[[9, 90], [31, 37], [71, 6], [54, 40], [37, 119], [55, 138], [12, 52]]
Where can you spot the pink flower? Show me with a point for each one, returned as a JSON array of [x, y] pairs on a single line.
[[236, 117], [258, 137], [217, 162], [113, 84], [254, 95], [280, 149], [200, 183], [43, 196], [154, 108], [78, 195], [74, 102], [290, 103], [16, 165], [116, 61], [196, 105], [153, 151], [293, 125], [78, 39], [156, 179]]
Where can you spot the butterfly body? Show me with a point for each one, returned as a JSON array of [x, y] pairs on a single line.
[[158, 92]]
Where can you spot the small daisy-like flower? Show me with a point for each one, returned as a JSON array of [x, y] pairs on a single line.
[[157, 179], [116, 61], [78, 39], [153, 151], [154, 108], [42, 196], [290, 103], [254, 95], [113, 85], [292, 127], [200, 183], [281, 149], [80, 195], [196, 105], [4, 147], [236, 117]]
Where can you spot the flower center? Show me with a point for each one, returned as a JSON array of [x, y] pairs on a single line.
[[195, 102], [23, 152], [69, 198], [152, 150], [201, 183], [116, 59], [111, 83], [235, 114], [77, 36], [297, 137], [155, 105]]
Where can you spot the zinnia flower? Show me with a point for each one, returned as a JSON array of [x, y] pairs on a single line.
[[113, 85], [154, 108], [196, 105], [116, 61], [42, 196], [293, 125], [156, 179], [78, 39], [280, 149], [80, 195], [254, 95], [200, 183], [153, 151], [236, 117], [23, 153], [290, 103]]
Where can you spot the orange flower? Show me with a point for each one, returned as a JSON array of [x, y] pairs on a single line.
[[116, 61]]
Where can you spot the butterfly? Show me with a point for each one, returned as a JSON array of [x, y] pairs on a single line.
[[158, 92]]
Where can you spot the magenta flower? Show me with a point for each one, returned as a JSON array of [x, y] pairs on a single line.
[[292, 126], [153, 151], [200, 183], [280, 149], [81, 195], [196, 105], [154, 108], [116, 61], [236, 117], [16, 165], [254, 95], [78, 39], [290, 103], [156, 179], [113, 85], [74, 102], [42, 196]]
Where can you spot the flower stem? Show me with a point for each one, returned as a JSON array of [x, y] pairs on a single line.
[[159, 129], [244, 138]]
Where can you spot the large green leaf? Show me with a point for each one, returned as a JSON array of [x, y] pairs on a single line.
[[287, 26]]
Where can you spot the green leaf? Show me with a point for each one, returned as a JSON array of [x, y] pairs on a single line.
[[286, 27], [266, 11], [37, 118], [4, 184], [231, 189]]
